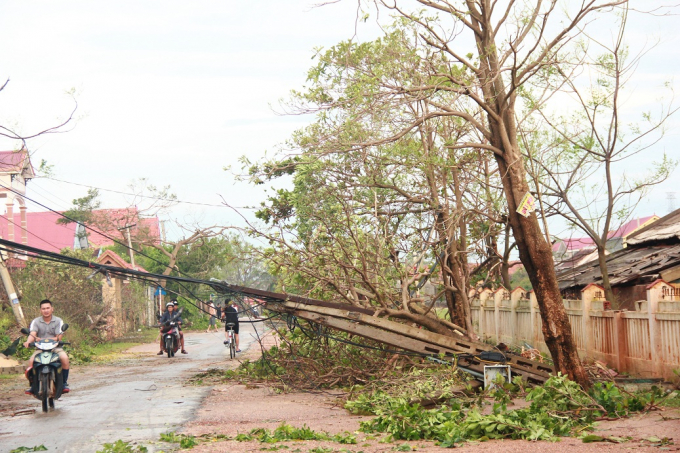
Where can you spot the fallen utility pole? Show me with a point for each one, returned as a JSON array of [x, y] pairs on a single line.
[[415, 340], [362, 321], [11, 292]]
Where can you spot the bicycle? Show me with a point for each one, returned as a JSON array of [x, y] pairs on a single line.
[[230, 343]]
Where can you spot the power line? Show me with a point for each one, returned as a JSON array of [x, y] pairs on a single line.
[[106, 236], [174, 200], [34, 252]]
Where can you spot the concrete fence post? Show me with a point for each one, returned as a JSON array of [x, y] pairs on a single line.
[[483, 297], [620, 342], [497, 299], [589, 293], [515, 296], [533, 309], [653, 295]]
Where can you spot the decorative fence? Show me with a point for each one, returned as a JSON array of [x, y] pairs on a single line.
[[644, 342]]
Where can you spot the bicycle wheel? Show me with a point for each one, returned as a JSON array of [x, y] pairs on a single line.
[[232, 347]]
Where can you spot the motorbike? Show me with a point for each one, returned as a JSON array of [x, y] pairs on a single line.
[[45, 374], [171, 334]]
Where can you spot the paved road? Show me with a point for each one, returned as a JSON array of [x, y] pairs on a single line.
[[134, 400]]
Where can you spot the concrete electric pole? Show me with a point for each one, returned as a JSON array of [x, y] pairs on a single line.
[[11, 292]]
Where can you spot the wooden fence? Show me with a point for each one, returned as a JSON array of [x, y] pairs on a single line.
[[644, 342]]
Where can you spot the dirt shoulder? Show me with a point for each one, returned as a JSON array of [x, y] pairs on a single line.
[[237, 409]]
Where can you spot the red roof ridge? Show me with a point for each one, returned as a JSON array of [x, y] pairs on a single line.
[[114, 258]]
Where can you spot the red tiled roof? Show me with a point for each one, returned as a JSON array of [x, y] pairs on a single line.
[[514, 266], [112, 258], [573, 243], [45, 233], [631, 226], [118, 218], [13, 160], [623, 231]]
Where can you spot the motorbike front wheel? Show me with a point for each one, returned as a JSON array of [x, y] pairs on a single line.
[[169, 347], [45, 391]]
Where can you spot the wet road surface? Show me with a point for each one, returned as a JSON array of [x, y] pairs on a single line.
[[133, 400]]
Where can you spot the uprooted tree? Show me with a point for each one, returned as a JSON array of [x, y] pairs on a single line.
[[369, 225], [486, 55], [493, 52]]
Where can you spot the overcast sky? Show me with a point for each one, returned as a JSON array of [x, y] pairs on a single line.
[[175, 91]]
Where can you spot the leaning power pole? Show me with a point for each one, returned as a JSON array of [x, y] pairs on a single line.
[[129, 241], [11, 292]]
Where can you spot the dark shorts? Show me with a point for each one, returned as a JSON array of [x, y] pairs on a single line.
[[212, 320], [226, 328]]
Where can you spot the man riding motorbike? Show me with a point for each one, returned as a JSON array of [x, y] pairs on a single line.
[[48, 327], [167, 316]]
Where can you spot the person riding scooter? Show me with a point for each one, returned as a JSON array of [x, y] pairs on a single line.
[[167, 316], [48, 327]]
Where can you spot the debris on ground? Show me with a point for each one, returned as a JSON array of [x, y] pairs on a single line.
[[599, 371]]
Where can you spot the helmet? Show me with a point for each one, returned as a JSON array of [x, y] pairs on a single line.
[[169, 304], [175, 303]]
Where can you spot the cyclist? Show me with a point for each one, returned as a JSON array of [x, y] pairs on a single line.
[[48, 327], [167, 315], [230, 315]]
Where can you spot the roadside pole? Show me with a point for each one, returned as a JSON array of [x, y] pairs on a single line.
[[9, 287]]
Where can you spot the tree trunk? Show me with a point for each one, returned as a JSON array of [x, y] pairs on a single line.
[[536, 256], [534, 252], [451, 304], [602, 260], [505, 274], [505, 264]]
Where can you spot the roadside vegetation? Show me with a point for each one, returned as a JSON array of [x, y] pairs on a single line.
[[414, 398], [77, 300]]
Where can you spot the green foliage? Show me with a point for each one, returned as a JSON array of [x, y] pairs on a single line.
[[120, 446], [9, 332], [311, 358], [560, 407], [672, 399], [76, 298], [357, 218], [23, 449], [227, 258], [184, 441], [81, 212], [589, 438], [287, 432], [521, 278], [434, 382], [615, 402]]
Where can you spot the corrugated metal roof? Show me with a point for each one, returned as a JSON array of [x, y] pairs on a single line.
[[667, 227], [631, 265]]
